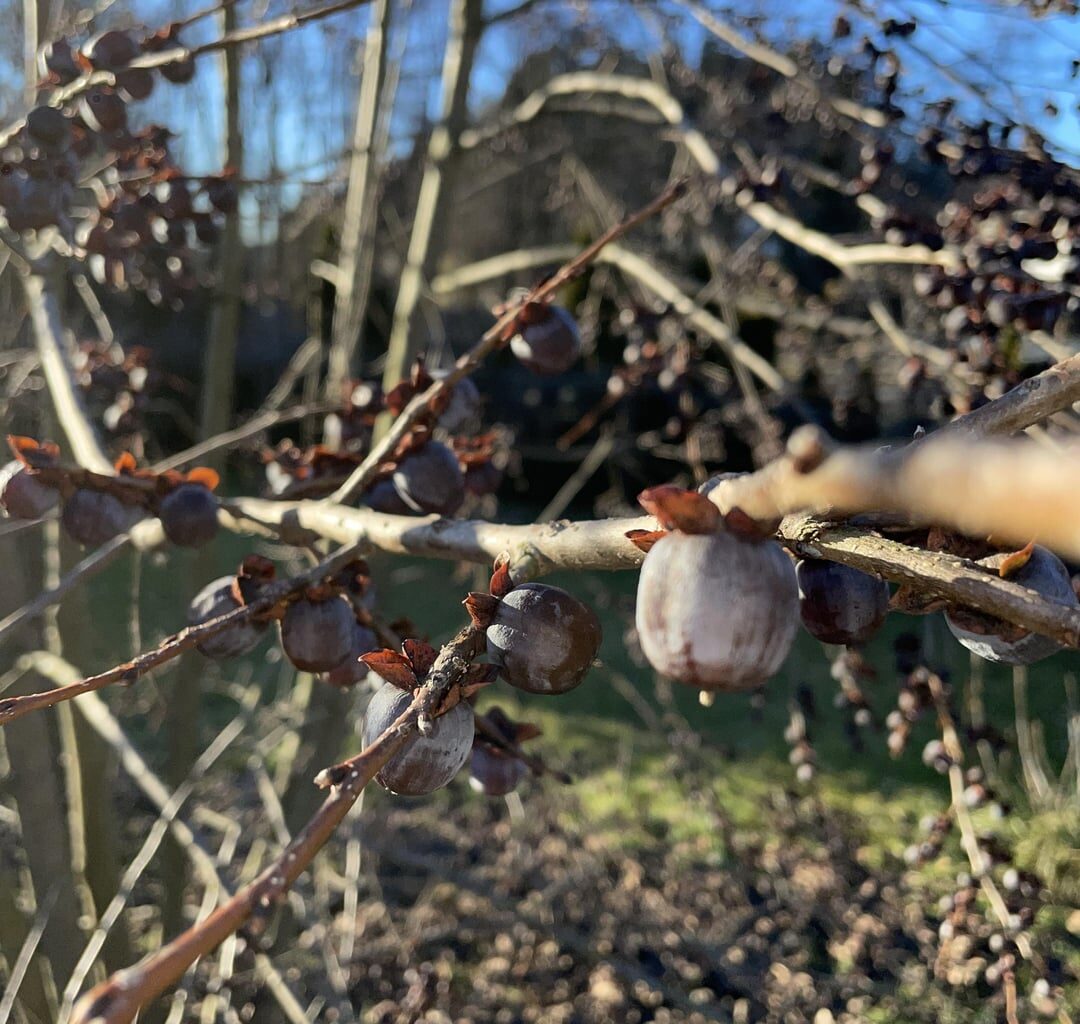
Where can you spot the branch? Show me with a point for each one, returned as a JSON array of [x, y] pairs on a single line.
[[119, 998], [274, 27], [642, 271], [15, 707], [492, 339], [1014, 491], [47, 322]]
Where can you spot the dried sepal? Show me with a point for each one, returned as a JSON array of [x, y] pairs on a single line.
[[501, 583], [1013, 562], [32, 453], [480, 674], [204, 475], [393, 667], [421, 656], [643, 540], [736, 521], [679, 509], [481, 608]]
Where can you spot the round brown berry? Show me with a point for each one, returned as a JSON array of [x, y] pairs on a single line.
[[429, 762], [93, 517], [838, 604], [494, 773], [317, 634], [189, 515], [215, 599], [549, 343], [715, 611], [430, 480], [543, 639]]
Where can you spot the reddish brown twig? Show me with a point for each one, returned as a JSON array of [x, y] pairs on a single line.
[[12, 708], [495, 336], [117, 999]]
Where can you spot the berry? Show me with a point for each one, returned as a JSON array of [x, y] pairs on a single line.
[[218, 598], [317, 634], [838, 604], [103, 110], [222, 194], [352, 670], [463, 407], [715, 611], [56, 61], [383, 496], [180, 71], [999, 641], [543, 639], [135, 83], [429, 762], [22, 495], [189, 515], [430, 480], [93, 517], [48, 127], [111, 50], [549, 342], [493, 773]]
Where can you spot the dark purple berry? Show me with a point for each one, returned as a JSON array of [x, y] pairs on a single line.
[[543, 639], [135, 83], [103, 110], [383, 496], [838, 604], [23, 495], [48, 127], [429, 762], [994, 640], [715, 611], [111, 50], [493, 773], [549, 343], [215, 599], [93, 517], [352, 670], [56, 61], [317, 635], [189, 515], [180, 71], [430, 480]]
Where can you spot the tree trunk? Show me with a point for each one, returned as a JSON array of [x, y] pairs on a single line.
[[425, 243], [358, 229]]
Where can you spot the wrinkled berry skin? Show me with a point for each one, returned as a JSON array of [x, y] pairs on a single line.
[[492, 774], [352, 670], [217, 598], [430, 480], [463, 407], [550, 345], [94, 517], [715, 611], [543, 639], [318, 635], [429, 762], [838, 604], [189, 515], [24, 496], [1044, 573]]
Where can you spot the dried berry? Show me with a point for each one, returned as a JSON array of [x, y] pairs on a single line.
[[111, 50], [23, 495], [430, 480], [317, 633], [383, 496], [493, 772], [549, 342], [103, 110], [838, 604], [543, 639], [189, 515], [463, 407], [715, 611], [995, 640], [48, 127], [352, 670], [56, 62], [135, 83], [179, 71], [93, 517], [429, 762], [215, 599]]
